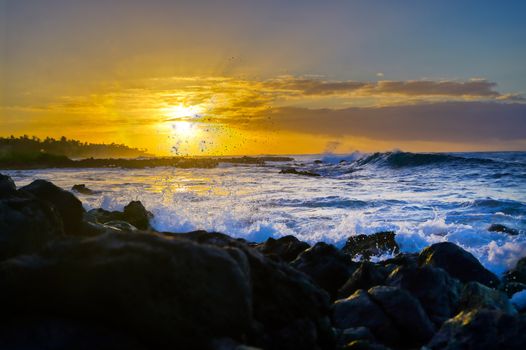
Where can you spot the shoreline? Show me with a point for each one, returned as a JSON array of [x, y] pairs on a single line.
[[107, 278]]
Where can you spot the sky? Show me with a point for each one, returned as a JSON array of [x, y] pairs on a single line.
[[207, 77]]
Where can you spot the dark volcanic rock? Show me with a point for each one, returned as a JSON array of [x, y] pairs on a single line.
[[81, 188], [481, 329], [136, 214], [359, 310], [292, 312], [66, 204], [405, 312], [366, 276], [166, 292], [286, 248], [458, 263], [477, 296], [26, 225], [438, 292], [297, 172], [503, 229], [103, 216], [371, 245], [7, 186], [327, 266]]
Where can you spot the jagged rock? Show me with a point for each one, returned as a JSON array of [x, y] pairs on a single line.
[[406, 313], [81, 188], [367, 246], [438, 292], [121, 225], [66, 204], [103, 216], [326, 265], [7, 186], [297, 172], [136, 214], [458, 263], [477, 296], [481, 329], [26, 225], [366, 276], [169, 293], [359, 310], [503, 229], [518, 273], [286, 248]]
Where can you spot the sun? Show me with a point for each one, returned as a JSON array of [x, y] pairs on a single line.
[[182, 112], [184, 129]]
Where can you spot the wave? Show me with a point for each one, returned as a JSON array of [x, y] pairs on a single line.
[[408, 159]]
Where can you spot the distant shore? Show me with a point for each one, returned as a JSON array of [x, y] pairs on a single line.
[[107, 279]]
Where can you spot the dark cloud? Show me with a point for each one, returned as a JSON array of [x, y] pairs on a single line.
[[447, 121]]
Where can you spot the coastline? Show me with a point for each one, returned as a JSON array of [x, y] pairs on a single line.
[[103, 277]]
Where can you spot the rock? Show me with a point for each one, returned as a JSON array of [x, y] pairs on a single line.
[[366, 276], [511, 288], [121, 225], [481, 329], [292, 312], [167, 292], [66, 204], [438, 293], [136, 214], [103, 216], [458, 263], [400, 260], [477, 296], [7, 186], [345, 336], [405, 312], [297, 172], [327, 266], [359, 310], [286, 248], [518, 273], [519, 300], [27, 225], [81, 188], [503, 229], [364, 345], [373, 245]]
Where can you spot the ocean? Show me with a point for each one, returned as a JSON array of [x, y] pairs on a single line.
[[423, 198]]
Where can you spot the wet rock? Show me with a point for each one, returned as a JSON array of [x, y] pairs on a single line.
[[405, 312], [458, 263], [364, 345], [359, 310], [136, 214], [327, 266], [400, 260], [481, 329], [477, 296], [345, 336], [503, 229], [7, 186], [366, 276], [371, 245], [67, 205], [103, 216], [297, 172], [511, 288], [518, 273], [169, 293], [26, 225], [438, 292], [286, 248], [121, 225], [81, 188]]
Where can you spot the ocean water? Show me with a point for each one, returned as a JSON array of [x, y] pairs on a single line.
[[424, 198]]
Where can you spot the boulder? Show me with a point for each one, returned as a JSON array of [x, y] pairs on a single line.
[[518, 273], [26, 225], [67, 205], [327, 266], [359, 310], [166, 292], [367, 246], [503, 229], [458, 263], [81, 188], [345, 336], [7, 186], [366, 276], [121, 225], [477, 296], [136, 214], [406, 313], [103, 216], [286, 248], [481, 329], [364, 345], [298, 172], [438, 292]]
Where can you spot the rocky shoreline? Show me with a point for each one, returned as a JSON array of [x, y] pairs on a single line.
[[72, 279]]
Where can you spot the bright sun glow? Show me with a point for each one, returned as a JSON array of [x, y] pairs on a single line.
[[183, 112]]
